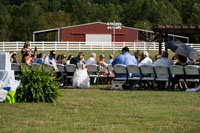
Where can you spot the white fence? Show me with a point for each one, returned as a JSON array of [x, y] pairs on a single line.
[[81, 46]]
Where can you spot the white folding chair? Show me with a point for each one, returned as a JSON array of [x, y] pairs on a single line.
[[192, 73], [48, 67], [133, 69], [103, 74], [34, 66], [111, 72], [93, 71], [70, 69], [162, 74], [119, 81], [17, 69], [177, 70], [148, 75], [61, 68]]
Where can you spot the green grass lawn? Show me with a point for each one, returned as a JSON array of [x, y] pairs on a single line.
[[99, 109]]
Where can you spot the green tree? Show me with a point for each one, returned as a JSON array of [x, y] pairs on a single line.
[[5, 20], [25, 21], [53, 20]]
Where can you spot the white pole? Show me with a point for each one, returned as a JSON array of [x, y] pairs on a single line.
[[3, 46], [114, 35]]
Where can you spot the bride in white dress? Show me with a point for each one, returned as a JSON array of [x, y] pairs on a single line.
[[81, 78]]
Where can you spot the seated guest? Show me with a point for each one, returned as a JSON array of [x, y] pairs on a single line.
[[145, 59], [125, 59], [163, 61], [75, 60], [157, 57], [40, 58], [51, 59], [191, 61], [58, 59], [63, 59], [92, 58], [175, 58], [26, 58], [138, 58], [14, 58], [69, 59], [182, 61], [101, 62], [110, 59]]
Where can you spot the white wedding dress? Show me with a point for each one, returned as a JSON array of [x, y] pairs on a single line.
[[81, 78]]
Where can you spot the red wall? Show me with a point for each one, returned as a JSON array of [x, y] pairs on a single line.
[[77, 33]]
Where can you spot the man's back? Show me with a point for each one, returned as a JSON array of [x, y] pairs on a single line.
[[125, 59], [163, 62], [91, 60]]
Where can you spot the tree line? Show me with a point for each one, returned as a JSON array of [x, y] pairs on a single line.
[[19, 18]]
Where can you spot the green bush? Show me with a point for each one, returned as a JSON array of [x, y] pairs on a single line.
[[37, 86]]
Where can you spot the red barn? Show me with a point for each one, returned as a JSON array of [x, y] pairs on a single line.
[[99, 32]]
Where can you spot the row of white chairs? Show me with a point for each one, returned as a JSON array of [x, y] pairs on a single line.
[[155, 72], [94, 71]]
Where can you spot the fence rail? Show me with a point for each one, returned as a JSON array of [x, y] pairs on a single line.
[[81, 46]]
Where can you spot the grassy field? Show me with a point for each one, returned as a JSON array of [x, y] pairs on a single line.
[[99, 109]]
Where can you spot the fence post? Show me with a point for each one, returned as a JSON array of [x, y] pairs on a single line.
[[17, 46], [144, 46], [3, 47], [154, 46], [90, 46], [101, 46], [67, 46], [43, 46], [55, 45], [79, 45]]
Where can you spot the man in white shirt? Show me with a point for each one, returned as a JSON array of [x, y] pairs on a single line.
[[92, 58], [145, 59]]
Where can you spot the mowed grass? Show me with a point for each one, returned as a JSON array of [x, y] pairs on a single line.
[[99, 109]]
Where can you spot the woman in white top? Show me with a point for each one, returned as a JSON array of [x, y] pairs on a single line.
[[81, 78]]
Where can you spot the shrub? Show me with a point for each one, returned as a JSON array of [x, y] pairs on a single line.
[[37, 86]]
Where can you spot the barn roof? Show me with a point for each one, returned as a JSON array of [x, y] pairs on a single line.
[[56, 29], [177, 28]]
